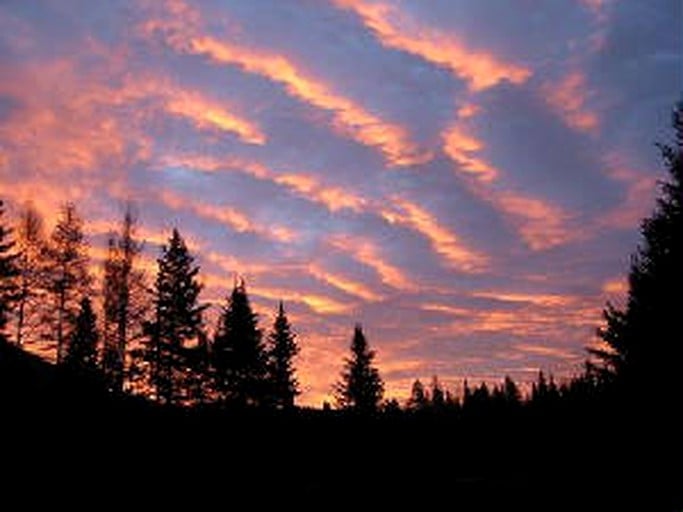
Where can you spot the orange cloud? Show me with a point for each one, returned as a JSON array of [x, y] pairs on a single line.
[[344, 284], [443, 241], [205, 113], [334, 198], [461, 146], [544, 350], [395, 29], [617, 286], [182, 30], [350, 118], [366, 252], [307, 186], [315, 302], [541, 224], [468, 110], [227, 216], [532, 320], [545, 300], [568, 99]]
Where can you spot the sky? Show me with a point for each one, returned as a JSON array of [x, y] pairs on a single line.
[[465, 179]]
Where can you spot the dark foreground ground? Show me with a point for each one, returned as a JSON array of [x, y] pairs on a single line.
[[65, 442]]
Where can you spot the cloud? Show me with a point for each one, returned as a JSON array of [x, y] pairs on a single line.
[[204, 113], [334, 198], [366, 252], [443, 241], [461, 147], [227, 216], [348, 286], [395, 29], [349, 117], [569, 98]]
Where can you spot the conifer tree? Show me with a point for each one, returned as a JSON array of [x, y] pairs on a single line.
[[511, 392], [282, 348], [68, 278], [177, 320], [8, 274], [438, 395], [81, 352], [644, 339], [239, 357], [31, 249], [419, 398], [361, 387], [125, 300]]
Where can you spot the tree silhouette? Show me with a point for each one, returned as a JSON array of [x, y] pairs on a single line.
[[438, 395], [8, 274], [31, 247], [178, 319], [282, 348], [239, 357], [68, 278], [644, 339], [511, 392], [539, 389], [81, 352], [124, 300], [360, 388], [418, 397]]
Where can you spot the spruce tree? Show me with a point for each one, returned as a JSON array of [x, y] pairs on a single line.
[[360, 388], [238, 355], [438, 395], [419, 398], [81, 352], [177, 320], [8, 274], [642, 363], [68, 278], [511, 392], [282, 349], [644, 339]]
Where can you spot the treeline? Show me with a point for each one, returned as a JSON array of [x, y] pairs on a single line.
[[152, 339], [148, 338]]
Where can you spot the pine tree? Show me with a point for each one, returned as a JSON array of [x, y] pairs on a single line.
[[81, 352], [125, 300], [360, 388], [31, 247], [178, 320], [282, 349], [8, 275], [68, 278], [239, 357]]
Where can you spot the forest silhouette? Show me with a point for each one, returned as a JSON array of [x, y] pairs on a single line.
[[143, 390]]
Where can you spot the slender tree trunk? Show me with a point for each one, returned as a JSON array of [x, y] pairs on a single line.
[[20, 317], [60, 326]]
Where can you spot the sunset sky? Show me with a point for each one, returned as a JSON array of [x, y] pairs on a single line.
[[464, 178]]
